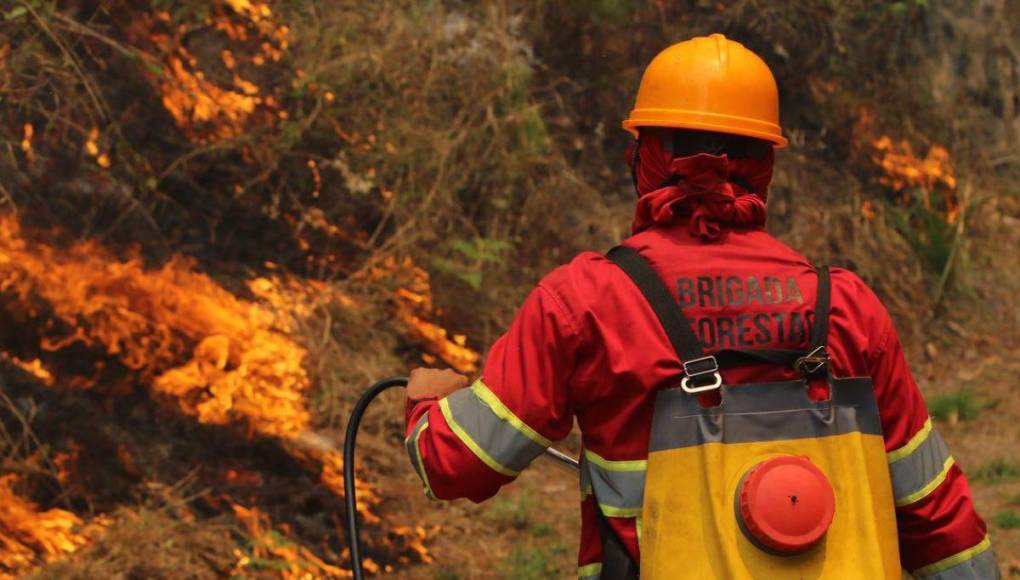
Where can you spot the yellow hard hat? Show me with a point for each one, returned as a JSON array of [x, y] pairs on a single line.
[[709, 83]]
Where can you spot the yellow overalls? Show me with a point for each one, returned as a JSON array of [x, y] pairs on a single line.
[[699, 456]]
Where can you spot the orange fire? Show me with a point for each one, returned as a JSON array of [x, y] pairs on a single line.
[[212, 355], [30, 537], [292, 560], [414, 307], [192, 100], [26, 142], [904, 170], [33, 367], [219, 358], [203, 109], [332, 477]]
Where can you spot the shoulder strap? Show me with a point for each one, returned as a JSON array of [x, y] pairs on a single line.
[[816, 362], [820, 327], [701, 372], [677, 326]]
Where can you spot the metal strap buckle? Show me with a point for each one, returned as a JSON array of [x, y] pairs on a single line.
[[812, 362], [706, 365]]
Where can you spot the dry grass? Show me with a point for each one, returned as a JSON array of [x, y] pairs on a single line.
[[154, 543]]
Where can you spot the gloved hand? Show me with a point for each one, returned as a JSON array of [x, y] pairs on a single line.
[[434, 383]]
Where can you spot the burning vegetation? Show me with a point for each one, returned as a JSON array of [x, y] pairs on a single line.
[[30, 536], [909, 175], [81, 318], [131, 377]]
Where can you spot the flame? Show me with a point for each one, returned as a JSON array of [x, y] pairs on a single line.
[[414, 539], [219, 358], [191, 100], [33, 367], [295, 562], [214, 356], [66, 462], [30, 537], [332, 476], [26, 142], [92, 149], [414, 307], [903, 170], [242, 477], [204, 110]]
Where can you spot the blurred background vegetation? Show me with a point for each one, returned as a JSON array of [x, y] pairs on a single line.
[[335, 191]]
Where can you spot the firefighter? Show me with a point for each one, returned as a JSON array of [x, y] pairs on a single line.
[[743, 413]]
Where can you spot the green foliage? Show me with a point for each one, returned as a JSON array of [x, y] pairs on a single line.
[[998, 471], [1007, 520], [536, 137], [470, 258], [960, 405], [903, 7], [16, 12], [543, 531], [928, 233], [514, 513], [533, 559], [610, 12]]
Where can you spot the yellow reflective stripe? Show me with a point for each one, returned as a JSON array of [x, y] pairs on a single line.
[[929, 487], [589, 570], [615, 512], [955, 559], [481, 390], [418, 461], [915, 442], [638, 527], [466, 439], [631, 465]]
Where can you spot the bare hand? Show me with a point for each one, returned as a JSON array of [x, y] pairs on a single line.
[[425, 383]]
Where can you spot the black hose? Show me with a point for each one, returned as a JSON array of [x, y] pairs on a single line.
[[350, 498], [353, 535]]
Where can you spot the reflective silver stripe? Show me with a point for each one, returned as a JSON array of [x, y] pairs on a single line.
[[977, 563], [414, 452], [619, 486], [764, 412], [490, 430], [589, 571], [920, 471]]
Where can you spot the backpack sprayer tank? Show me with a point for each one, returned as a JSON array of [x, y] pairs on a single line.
[[350, 493]]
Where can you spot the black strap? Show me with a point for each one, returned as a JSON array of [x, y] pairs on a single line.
[[820, 327], [678, 328], [616, 561]]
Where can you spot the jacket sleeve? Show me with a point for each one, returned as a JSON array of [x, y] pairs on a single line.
[[478, 439], [941, 535]]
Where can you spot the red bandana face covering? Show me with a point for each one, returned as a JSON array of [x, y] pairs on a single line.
[[713, 190]]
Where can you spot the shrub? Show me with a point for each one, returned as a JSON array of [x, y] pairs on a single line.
[[960, 405], [1007, 520]]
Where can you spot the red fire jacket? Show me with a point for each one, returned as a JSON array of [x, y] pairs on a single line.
[[585, 344]]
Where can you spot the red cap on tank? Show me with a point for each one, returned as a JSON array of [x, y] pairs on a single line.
[[785, 504]]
